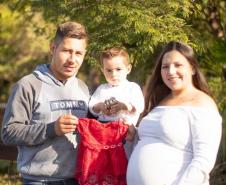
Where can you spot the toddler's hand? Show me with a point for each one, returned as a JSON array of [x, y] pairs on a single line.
[[99, 107], [121, 106]]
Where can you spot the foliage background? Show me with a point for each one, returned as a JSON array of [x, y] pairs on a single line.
[[140, 26]]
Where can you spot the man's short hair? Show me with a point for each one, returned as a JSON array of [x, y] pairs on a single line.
[[70, 30]]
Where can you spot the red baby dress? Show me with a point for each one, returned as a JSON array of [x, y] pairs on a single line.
[[101, 156]]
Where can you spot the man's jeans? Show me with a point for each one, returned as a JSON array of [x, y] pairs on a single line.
[[61, 182]]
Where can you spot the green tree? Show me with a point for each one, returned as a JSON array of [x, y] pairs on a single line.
[[138, 25], [21, 47], [142, 27], [211, 22]]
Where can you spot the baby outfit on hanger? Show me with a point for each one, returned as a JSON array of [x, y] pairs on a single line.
[[101, 157]]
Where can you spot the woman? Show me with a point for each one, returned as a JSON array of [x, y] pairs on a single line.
[[179, 137]]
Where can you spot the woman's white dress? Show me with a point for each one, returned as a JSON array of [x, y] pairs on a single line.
[[177, 146]]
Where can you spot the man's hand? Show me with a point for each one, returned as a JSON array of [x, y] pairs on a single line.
[[65, 124]]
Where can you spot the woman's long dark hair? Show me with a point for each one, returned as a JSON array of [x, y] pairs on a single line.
[[156, 88]]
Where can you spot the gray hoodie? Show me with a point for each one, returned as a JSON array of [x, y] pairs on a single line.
[[35, 104]]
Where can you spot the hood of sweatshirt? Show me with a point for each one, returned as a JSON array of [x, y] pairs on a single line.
[[43, 73]]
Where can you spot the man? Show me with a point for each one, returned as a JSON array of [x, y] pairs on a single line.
[[43, 109]]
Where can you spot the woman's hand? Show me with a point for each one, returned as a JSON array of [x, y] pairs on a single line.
[[131, 132]]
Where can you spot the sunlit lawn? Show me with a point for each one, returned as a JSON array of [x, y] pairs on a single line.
[[12, 180], [217, 178]]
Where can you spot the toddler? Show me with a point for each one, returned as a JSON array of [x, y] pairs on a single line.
[[118, 98]]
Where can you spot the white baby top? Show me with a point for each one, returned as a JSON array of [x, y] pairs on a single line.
[[177, 146], [127, 92]]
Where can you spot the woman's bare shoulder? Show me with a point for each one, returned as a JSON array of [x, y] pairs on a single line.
[[204, 100]]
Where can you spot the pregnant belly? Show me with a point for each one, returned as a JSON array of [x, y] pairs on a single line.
[[156, 164]]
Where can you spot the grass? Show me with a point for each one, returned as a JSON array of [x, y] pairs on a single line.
[[217, 176], [8, 173], [5, 179], [10, 180]]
